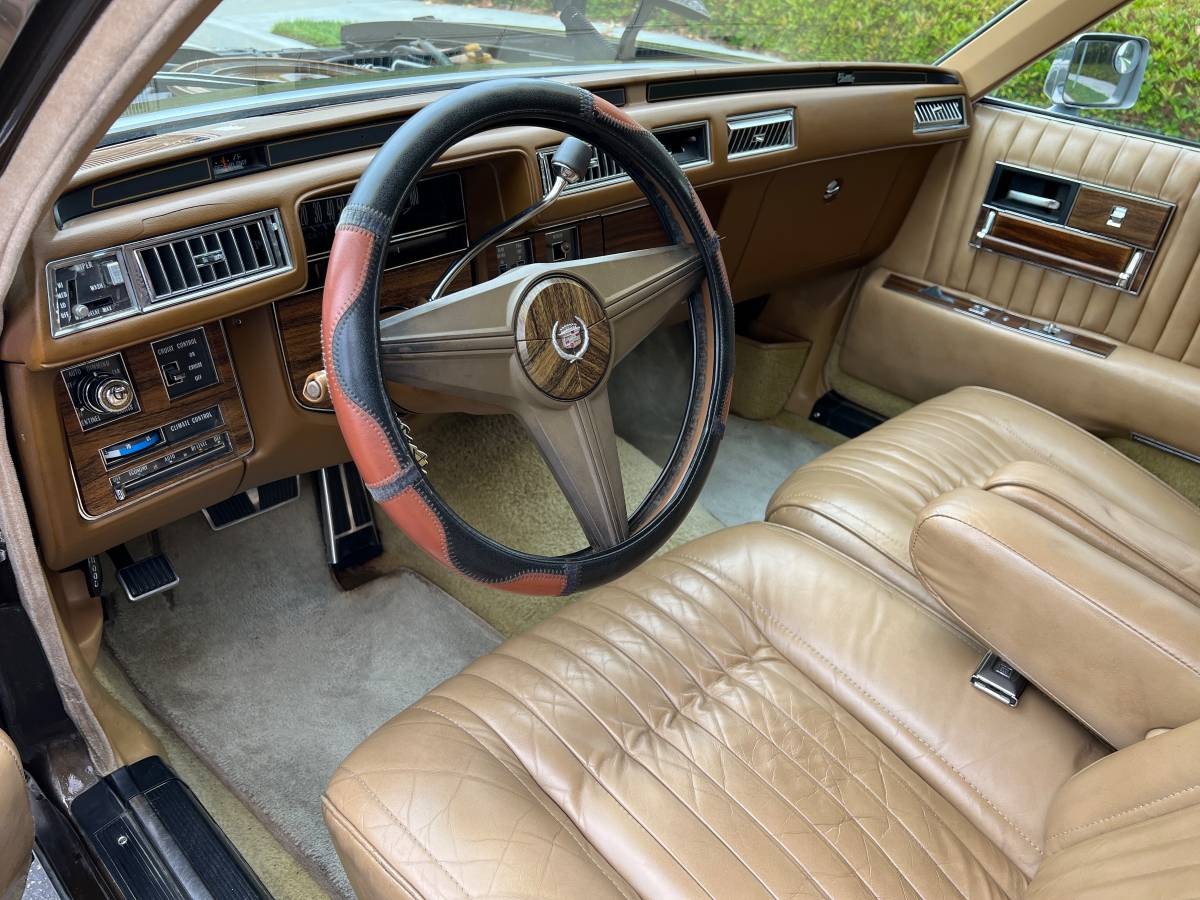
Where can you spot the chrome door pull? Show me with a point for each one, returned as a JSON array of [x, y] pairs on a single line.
[[1033, 200], [987, 225], [1126, 277]]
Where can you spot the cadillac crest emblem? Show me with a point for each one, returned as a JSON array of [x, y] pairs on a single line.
[[570, 339]]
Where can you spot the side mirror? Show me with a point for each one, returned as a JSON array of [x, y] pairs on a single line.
[[1097, 71]]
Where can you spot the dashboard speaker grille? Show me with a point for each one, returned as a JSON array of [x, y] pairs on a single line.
[[934, 115], [216, 257], [764, 132]]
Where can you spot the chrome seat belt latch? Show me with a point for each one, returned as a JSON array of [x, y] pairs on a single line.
[[999, 680]]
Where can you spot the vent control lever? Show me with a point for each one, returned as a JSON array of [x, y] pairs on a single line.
[[569, 164]]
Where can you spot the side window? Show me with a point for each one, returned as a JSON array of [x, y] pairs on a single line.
[[1168, 102]]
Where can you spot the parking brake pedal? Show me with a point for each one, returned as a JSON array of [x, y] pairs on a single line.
[[147, 577], [347, 517]]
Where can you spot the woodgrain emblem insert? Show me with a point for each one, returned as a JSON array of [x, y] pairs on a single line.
[[563, 338]]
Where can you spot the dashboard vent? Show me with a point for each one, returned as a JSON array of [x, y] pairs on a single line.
[[765, 132], [688, 143], [935, 115], [202, 260]]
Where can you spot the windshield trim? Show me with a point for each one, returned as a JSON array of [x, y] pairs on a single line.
[[979, 31], [223, 111]]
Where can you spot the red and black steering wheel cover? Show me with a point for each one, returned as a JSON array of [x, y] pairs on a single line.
[[350, 329]]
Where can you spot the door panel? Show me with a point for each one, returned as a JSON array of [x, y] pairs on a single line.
[[16, 823], [1157, 331]]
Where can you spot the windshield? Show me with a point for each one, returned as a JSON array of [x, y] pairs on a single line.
[[253, 56]]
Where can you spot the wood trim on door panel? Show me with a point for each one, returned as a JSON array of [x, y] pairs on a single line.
[[1131, 390], [1144, 224], [1061, 249]]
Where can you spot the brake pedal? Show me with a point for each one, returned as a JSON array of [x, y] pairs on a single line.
[[251, 503], [347, 517], [147, 577]]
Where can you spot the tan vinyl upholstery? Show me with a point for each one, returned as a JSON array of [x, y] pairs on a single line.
[[1117, 649], [16, 823], [751, 715], [1164, 319], [1129, 825], [864, 496]]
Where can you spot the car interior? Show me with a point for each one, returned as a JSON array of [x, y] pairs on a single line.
[[442, 467]]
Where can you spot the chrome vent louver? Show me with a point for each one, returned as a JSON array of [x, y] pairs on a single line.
[[601, 170], [764, 132], [215, 257], [604, 168], [935, 115]]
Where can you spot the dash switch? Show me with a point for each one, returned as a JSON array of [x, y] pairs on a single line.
[[186, 363]]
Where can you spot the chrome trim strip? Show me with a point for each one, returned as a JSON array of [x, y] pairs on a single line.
[[1164, 447]]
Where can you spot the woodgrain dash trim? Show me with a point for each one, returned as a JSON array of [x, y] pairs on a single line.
[[93, 490]]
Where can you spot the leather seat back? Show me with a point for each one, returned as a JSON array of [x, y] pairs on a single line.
[[16, 823], [1128, 825]]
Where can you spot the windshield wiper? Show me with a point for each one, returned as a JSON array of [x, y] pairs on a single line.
[[694, 10]]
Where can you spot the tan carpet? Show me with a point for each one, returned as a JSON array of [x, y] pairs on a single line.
[[491, 473], [1179, 473], [280, 871]]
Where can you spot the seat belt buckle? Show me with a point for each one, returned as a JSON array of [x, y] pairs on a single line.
[[999, 680]]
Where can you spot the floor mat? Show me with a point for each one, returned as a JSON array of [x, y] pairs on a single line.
[[276, 865], [272, 674], [755, 457]]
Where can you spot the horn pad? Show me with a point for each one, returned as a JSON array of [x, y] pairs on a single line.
[[563, 338]]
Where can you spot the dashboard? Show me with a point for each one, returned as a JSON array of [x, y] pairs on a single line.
[[161, 349]]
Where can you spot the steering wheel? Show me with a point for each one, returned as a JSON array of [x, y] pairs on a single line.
[[539, 340]]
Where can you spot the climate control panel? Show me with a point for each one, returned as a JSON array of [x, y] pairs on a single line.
[[139, 421]]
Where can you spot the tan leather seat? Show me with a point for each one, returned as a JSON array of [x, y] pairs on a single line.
[[16, 823], [754, 714], [864, 496]]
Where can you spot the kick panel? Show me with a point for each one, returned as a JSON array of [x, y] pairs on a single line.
[[185, 416]]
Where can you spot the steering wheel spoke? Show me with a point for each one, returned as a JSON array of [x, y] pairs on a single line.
[[462, 344], [579, 445], [639, 289], [540, 341]]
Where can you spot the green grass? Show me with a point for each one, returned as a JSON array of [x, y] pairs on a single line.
[[913, 31], [318, 32]]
